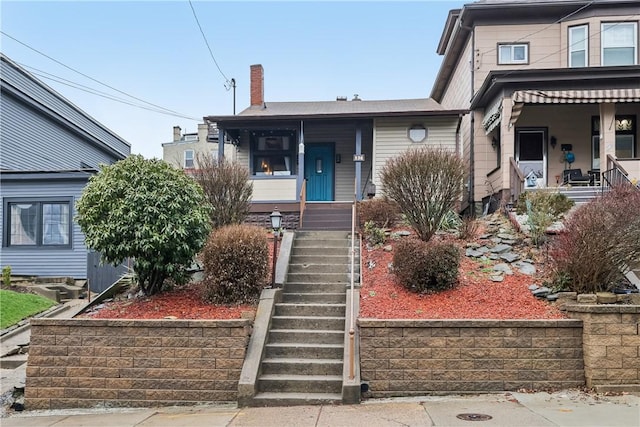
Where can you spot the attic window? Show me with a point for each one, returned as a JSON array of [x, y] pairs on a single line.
[[417, 133], [516, 53]]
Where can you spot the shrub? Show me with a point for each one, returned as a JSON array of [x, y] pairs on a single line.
[[227, 188], [450, 221], [382, 212], [6, 275], [426, 184], [149, 211], [373, 234], [235, 262], [468, 228], [426, 267], [543, 208], [557, 203], [601, 239]]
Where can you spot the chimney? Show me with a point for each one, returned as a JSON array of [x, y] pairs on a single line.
[[257, 85], [203, 131], [177, 133]]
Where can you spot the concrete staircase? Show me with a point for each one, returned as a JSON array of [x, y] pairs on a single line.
[[327, 216], [303, 355], [581, 195]]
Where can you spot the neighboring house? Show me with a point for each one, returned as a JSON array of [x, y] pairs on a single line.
[[336, 148], [49, 149], [185, 148], [542, 78]]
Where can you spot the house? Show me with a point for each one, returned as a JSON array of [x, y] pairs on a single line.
[[50, 148], [552, 86], [305, 153], [184, 149]]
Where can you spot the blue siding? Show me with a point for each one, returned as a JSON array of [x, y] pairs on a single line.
[[41, 261]]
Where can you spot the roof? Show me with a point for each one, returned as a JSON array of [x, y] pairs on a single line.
[[340, 109]]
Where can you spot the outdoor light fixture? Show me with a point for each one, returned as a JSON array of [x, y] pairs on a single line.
[[553, 142], [276, 223], [494, 142]]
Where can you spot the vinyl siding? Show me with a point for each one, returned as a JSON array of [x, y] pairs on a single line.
[[42, 261], [277, 189], [49, 100], [457, 94], [391, 138], [31, 141], [173, 152]]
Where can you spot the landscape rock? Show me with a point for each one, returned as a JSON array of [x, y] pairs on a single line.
[[606, 298], [587, 299], [473, 253], [541, 292], [525, 268], [403, 233], [509, 257], [503, 268], [506, 236], [498, 249], [496, 277], [533, 287], [494, 257], [388, 248], [552, 297], [496, 239]]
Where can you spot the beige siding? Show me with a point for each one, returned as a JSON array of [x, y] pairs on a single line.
[[458, 93], [391, 138], [545, 50], [486, 160], [633, 169], [281, 189], [174, 152]]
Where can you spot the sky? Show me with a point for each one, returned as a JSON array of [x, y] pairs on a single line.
[[153, 52]]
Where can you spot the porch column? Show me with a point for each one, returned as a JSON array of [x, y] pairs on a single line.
[[358, 183], [507, 142], [300, 177], [607, 133], [220, 145]]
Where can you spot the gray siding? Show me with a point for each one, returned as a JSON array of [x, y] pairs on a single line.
[[43, 96], [31, 141], [45, 261]]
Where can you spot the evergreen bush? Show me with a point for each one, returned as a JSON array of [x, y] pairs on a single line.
[[425, 267]]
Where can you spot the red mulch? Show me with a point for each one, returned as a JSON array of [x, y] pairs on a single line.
[[475, 297]]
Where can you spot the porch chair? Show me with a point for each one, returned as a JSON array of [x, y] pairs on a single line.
[[575, 177]]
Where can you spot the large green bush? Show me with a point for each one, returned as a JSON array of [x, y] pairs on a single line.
[[227, 187], [148, 211], [601, 238], [426, 183], [424, 267], [235, 262]]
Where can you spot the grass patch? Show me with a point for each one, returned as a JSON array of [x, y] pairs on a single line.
[[15, 306]]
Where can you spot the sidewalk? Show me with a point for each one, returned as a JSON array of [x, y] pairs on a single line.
[[565, 408]]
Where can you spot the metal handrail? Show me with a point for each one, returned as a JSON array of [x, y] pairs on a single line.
[[615, 174], [352, 330], [303, 199]]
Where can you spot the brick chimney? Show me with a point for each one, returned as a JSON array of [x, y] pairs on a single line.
[[257, 85], [177, 133]]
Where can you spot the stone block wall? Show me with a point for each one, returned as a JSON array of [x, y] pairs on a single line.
[[82, 363], [611, 336], [418, 357]]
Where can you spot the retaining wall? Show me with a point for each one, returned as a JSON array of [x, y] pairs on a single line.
[[418, 357], [80, 363]]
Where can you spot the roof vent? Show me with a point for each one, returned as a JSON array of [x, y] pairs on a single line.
[[355, 97], [341, 98]]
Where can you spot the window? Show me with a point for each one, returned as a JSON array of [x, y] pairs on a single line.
[[620, 43], [38, 223], [188, 159], [625, 137], [273, 153], [579, 46], [513, 53]]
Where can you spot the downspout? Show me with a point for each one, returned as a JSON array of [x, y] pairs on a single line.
[[300, 177], [220, 145], [472, 170], [358, 164]]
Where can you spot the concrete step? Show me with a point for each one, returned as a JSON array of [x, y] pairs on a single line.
[[320, 235], [324, 243], [306, 336], [304, 351], [316, 297], [319, 277], [300, 309], [326, 225], [300, 383], [296, 399], [321, 252], [321, 288], [322, 268], [308, 322], [323, 258], [302, 366]]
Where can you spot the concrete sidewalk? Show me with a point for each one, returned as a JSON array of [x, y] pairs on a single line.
[[565, 408]]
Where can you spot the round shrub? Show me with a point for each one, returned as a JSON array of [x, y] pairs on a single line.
[[425, 267], [235, 261]]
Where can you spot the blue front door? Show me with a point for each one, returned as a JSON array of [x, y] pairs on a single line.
[[318, 171]]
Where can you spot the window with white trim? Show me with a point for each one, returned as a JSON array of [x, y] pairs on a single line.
[[33, 223], [513, 53], [579, 46], [619, 43], [188, 159]]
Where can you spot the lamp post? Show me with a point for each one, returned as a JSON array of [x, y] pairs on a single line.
[[276, 222]]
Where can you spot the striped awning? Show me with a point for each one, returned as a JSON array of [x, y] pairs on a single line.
[[492, 116], [596, 96]]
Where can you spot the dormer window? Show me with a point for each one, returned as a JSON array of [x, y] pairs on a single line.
[[513, 53]]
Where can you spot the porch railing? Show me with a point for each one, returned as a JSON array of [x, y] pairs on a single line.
[[352, 326], [615, 174], [516, 180], [303, 200]]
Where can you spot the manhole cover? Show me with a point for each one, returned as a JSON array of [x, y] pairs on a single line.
[[474, 417]]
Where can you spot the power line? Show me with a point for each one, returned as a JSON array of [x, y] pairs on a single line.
[[207, 43], [85, 75]]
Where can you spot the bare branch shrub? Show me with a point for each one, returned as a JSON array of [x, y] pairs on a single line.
[[600, 240], [381, 211], [227, 188], [426, 183]]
